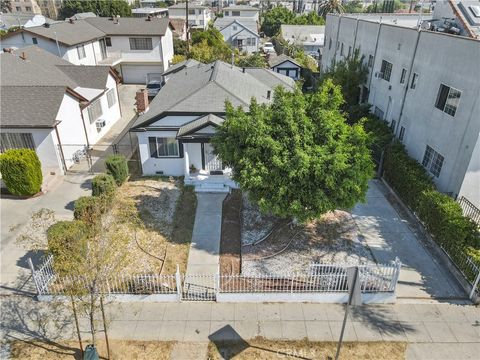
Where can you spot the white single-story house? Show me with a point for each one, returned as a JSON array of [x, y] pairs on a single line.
[[54, 107], [285, 65], [311, 38], [174, 133], [134, 47], [241, 33]]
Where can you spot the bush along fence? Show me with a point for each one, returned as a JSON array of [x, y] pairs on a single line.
[[442, 217], [324, 283]]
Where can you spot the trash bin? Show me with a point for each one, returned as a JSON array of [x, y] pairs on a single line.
[[90, 353]]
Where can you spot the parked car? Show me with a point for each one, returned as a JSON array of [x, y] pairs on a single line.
[[268, 48], [153, 87]]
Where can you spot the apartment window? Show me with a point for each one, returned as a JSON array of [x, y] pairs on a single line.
[[330, 44], [141, 44], [95, 111], [234, 27], [378, 112], [81, 51], [338, 44], [28, 8], [386, 70], [191, 11], [111, 98], [16, 141], [108, 41], [349, 51], [413, 84], [403, 76], [34, 40], [341, 50], [432, 161], [18, 8], [448, 99], [163, 147], [402, 133], [370, 61], [392, 125], [227, 13], [235, 13]]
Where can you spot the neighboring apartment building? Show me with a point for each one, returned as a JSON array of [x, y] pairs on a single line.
[[50, 8], [198, 16], [135, 47], [310, 38], [425, 84], [241, 11], [54, 107], [26, 6], [241, 33]]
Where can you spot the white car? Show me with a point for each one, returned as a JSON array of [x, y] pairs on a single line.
[[153, 87], [268, 47]]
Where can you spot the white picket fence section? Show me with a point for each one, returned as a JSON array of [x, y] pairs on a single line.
[[322, 279]]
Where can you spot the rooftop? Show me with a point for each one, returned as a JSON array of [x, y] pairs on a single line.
[[190, 6], [306, 34], [274, 61], [241, 8], [249, 23]]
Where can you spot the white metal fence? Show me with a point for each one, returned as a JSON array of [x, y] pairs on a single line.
[[323, 278]]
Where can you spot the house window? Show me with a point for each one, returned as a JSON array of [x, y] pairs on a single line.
[[111, 98], [403, 76], [413, 84], [163, 147], [349, 51], [16, 141], [386, 70], [235, 13], [81, 51], [432, 161], [191, 11], [402, 133], [34, 40], [448, 99], [95, 111], [370, 61], [108, 41], [227, 13], [18, 8], [341, 50], [378, 113], [28, 8], [251, 42], [392, 125], [141, 44]]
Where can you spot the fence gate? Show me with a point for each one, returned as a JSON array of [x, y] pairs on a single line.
[[198, 287]]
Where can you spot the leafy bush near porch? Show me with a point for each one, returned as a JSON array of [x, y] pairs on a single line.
[[67, 239], [117, 166], [89, 208], [103, 184], [21, 171]]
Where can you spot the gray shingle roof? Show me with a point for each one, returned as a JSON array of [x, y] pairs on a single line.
[[130, 26], [181, 65], [205, 87], [250, 24], [199, 123], [190, 6], [274, 61]]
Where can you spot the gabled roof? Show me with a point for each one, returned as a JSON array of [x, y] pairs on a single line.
[[249, 24], [280, 59], [200, 123], [190, 6], [181, 65], [203, 89], [130, 26]]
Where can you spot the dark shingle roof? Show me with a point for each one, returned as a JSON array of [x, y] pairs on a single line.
[[181, 65], [130, 26], [205, 87], [199, 123], [277, 60]]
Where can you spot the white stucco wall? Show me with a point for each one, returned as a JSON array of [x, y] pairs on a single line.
[[90, 58], [250, 14], [199, 19], [471, 183], [122, 44], [25, 39], [167, 48]]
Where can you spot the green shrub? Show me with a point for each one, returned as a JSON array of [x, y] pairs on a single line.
[[378, 129], [103, 184], [405, 175], [89, 208], [21, 171], [67, 243], [117, 167]]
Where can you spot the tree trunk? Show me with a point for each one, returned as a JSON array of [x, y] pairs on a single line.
[[92, 318], [76, 324], [105, 327]]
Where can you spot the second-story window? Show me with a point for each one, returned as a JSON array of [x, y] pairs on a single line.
[[448, 99], [108, 41], [34, 40], [370, 61], [413, 85], [403, 76], [95, 111], [191, 11], [386, 70], [81, 51], [141, 44], [235, 13]]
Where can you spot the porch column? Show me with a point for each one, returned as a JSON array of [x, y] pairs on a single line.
[[187, 164]]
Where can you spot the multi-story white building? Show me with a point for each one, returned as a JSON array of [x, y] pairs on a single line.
[[198, 16], [26, 6], [135, 47], [241, 11], [425, 84]]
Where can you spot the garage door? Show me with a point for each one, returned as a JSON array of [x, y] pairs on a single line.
[[137, 74]]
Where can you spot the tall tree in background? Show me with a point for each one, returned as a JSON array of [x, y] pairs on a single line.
[[352, 7], [297, 157], [99, 7], [330, 6], [273, 19]]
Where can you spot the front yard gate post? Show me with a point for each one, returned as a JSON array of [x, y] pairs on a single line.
[[178, 281], [398, 266], [475, 284], [216, 284], [35, 281]]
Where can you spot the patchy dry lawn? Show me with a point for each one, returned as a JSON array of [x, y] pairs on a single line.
[[166, 210], [265, 349], [120, 350]]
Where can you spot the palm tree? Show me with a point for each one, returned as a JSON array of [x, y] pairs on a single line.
[[330, 6]]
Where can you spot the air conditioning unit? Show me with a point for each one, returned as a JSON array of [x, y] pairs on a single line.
[[100, 123]]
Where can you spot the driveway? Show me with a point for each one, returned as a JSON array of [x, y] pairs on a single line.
[[390, 236], [16, 213]]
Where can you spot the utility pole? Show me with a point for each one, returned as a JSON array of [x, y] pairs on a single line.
[[187, 27]]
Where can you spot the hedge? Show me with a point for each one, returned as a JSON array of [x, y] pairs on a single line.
[[103, 184], [89, 208], [67, 243], [117, 167], [21, 171]]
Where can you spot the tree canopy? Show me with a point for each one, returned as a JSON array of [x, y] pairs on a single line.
[[331, 6], [99, 7], [274, 18], [297, 157]]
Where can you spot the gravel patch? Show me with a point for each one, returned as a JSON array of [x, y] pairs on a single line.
[[255, 225]]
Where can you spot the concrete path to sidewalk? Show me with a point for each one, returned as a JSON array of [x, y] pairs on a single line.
[[388, 235]]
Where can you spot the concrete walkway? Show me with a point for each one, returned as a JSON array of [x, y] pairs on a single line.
[[389, 235]]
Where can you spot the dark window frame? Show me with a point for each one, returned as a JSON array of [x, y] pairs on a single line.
[[448, 99], [136, 45], [386, 70], [403, 76]]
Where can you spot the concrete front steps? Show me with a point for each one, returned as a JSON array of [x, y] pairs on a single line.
[[206, 183], [212, 188]]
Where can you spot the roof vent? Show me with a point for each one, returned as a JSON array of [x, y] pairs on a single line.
[[70, 20], [269, 94], [47, 25]]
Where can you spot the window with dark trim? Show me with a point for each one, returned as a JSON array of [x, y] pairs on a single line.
[[403, 76], [81, 51], [432, 161], [386, 70], [235, 13], [341, 49], [370, 61], [108, 41], [95, 111], [141, 44], [413, 84], [402, 133], [448, 99], [163, 147], [111, 98], [16, 141], [34, 40]]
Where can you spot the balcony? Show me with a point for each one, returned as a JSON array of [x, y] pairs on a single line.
[[113, 58]]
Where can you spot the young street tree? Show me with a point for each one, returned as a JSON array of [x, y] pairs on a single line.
[[297, 157]]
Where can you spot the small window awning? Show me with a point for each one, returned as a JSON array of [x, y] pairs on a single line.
[[189, 129]]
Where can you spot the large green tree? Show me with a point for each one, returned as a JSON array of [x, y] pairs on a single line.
[[297, 157], [330, 6], [274, 18], [99, 7]]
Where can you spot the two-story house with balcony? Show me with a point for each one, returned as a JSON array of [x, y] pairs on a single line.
[[198, 16], [135, 47], [241, 33], [241, 11]]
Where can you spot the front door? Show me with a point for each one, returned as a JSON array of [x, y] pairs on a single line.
[[212, 162]]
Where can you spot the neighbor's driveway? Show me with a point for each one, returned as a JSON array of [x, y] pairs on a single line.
[[16, 213], [389, 236]]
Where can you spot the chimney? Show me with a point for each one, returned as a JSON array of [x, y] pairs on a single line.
[[269, 93], [23, 56], [141, 98]]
